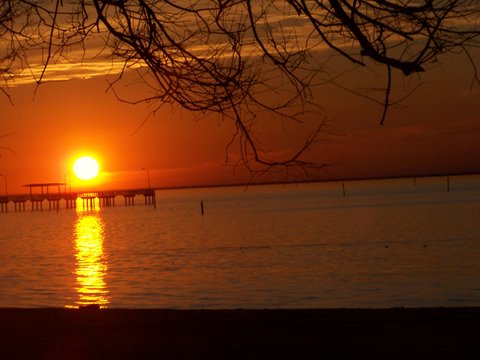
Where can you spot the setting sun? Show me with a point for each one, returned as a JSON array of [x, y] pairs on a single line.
[[86, 168]]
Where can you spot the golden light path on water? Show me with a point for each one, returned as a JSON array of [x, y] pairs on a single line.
[[90, 261]]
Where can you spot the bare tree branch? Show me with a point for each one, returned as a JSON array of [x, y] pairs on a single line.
[[242, 58]]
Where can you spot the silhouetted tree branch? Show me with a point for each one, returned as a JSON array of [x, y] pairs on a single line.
[[242, 58]]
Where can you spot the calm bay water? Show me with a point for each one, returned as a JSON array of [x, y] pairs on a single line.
[[386, 243]]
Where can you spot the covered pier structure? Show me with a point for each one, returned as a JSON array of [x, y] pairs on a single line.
[[55, 193], [46, 193]]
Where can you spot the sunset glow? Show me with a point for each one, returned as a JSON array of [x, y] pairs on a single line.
[[41, 137], [86, 168]]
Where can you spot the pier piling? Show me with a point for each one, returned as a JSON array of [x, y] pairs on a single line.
[[129, 199], [149, 195]]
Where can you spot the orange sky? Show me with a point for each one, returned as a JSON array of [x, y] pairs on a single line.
[[438, 130]]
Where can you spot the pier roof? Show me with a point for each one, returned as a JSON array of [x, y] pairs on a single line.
[[45, 184]]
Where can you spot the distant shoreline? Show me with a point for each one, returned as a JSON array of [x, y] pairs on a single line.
[[397, 333], [266, 183], [293, 182]]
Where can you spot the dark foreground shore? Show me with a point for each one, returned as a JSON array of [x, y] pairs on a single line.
[[430, 333]]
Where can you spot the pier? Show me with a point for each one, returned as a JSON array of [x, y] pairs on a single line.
[[54, 196]]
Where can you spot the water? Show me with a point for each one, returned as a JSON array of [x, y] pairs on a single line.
[[386, 243]]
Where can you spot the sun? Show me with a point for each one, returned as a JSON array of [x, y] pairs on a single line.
[[86, 168]]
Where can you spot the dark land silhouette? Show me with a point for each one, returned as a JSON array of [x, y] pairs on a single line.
[[91, 333]]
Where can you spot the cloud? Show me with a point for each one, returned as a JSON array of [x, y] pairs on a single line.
[[67, 71]]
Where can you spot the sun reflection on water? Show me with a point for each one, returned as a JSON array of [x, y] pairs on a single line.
[[91, 264]]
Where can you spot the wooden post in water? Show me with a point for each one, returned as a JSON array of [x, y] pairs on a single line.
[[201, 207]]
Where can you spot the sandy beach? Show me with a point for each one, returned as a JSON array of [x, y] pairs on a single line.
[[428, 333]]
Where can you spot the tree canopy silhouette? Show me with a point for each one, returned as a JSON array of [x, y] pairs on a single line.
[[241, 58]]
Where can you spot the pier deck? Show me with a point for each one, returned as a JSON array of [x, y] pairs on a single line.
[[55, 200]]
